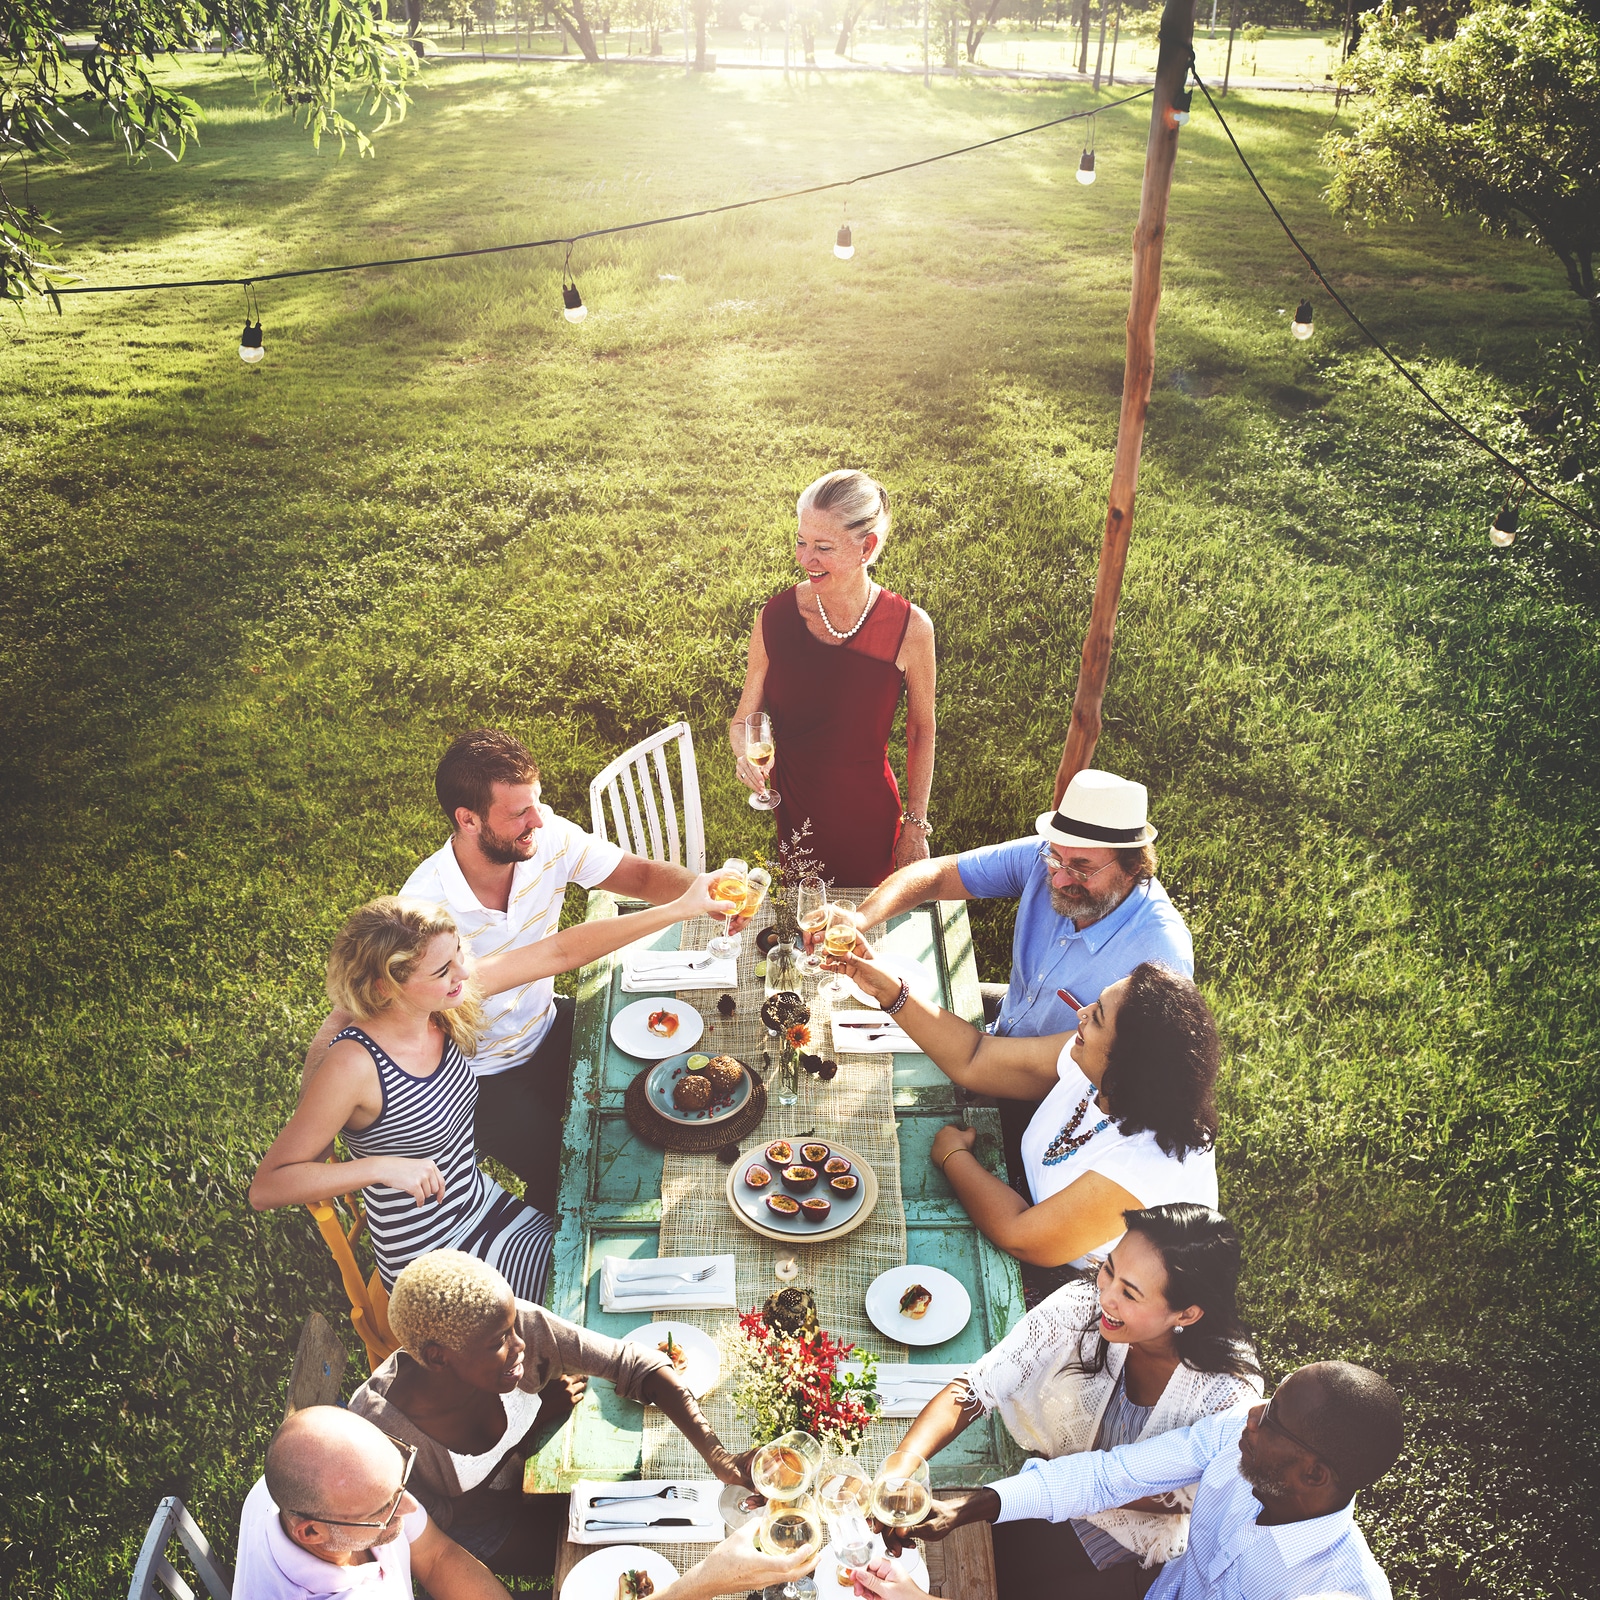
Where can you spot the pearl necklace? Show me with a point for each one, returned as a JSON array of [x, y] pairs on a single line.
[[872, 598]]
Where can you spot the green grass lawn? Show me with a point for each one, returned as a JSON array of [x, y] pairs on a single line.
[[243, 611]]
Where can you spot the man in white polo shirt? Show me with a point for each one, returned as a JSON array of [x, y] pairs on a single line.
[[502, 874], [331, 1516]]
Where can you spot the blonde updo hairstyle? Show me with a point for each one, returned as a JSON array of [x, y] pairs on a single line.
[[858, 503], [447, 1298], [379, 947]]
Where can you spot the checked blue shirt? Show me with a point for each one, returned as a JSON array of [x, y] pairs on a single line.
[[1049, 953], [1231, 1556]]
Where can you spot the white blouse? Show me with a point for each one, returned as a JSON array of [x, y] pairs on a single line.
[[1133, 1161], [1053, 1408], [521, 1409]]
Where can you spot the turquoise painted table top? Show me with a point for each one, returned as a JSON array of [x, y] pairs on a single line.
[[610, 1203]]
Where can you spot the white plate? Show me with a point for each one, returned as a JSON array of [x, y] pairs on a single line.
[[826, 1575], [630, 1035], [922, 983], [703, 1364], [595, 1577], [946, 1316]]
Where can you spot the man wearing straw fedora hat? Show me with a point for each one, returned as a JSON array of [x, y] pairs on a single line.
[[1089, 906]]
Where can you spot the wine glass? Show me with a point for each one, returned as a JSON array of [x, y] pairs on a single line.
[[900, 1493], [757, 881], [760, 752], [788, 1526], [787, 1467], [845, 1494], [729, 885], [839, 940], [811, 910]]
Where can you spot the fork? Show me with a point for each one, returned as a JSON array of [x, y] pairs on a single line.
[[665, 1277], [671, 1492]]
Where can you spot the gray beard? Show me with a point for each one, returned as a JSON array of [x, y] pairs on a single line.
[[1080, 900], [1266, 1486]]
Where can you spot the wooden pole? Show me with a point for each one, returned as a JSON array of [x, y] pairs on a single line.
[[1172, 66]]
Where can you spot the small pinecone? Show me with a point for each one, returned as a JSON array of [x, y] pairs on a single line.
[[791, 1310]]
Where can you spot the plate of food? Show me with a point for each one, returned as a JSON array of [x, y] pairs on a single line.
[[619, 1572], [656, 1028], [698, 1089], [918, 979], [692, 1352], [801, 1190], [918, 1305]]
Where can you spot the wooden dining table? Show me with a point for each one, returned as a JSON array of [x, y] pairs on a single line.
[[610, 1200]]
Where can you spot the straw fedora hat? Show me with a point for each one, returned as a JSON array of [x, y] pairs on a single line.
[[1101, 810]]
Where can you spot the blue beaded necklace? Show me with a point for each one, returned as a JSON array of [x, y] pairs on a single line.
[[1069, 1141]]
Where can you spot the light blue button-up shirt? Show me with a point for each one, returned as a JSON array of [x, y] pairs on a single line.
[[1048, 953], [1231, 1556]]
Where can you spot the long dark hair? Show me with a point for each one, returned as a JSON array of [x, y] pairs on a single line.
[[1200, 1250], [1161, 1069]]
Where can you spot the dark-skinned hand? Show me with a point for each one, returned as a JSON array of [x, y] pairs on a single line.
[[951, 1509]]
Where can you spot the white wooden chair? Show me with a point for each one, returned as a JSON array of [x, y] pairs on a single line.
[[629, 783], [154, 1572]]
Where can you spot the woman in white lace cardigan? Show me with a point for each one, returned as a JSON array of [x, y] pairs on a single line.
[[1153, 1343]]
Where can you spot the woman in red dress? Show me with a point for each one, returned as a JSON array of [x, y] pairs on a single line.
[[828, 659]]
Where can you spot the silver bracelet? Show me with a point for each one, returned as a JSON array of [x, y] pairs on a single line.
[[899, 1000], [917, 822]]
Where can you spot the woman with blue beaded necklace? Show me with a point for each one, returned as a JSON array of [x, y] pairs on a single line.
[[1128, 1117]]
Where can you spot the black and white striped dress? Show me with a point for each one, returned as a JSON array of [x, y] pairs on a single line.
[[431, 1119]]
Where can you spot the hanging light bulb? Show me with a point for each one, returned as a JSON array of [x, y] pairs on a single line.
[[1180, 107], [1086, 167], [250, 349], [1301, 326], [842, 247], [1503, 530], [573, 308]]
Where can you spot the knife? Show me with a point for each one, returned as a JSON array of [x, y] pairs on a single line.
[[659, 1522]]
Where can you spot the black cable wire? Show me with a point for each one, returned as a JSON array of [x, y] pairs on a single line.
[[600, 233], [1377, 343]]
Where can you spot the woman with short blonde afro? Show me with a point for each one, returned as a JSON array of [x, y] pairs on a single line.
[[477, 1371]]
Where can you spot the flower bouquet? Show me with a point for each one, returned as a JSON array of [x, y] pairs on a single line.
[[786, 1376]]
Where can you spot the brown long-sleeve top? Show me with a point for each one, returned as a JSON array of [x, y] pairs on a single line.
[[555, 1348]]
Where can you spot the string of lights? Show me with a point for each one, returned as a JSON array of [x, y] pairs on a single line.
[[570, 239], [1504, 528]]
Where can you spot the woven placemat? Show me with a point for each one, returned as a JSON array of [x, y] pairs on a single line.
[[689, 1137]]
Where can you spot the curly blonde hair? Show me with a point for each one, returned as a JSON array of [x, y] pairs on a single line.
[[379, 947], [445, 1297]]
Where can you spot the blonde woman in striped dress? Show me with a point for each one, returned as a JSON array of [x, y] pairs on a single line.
[[396, 1085]]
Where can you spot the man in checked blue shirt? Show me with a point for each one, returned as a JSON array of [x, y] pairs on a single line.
[[1089, 907], [1273, 1516]]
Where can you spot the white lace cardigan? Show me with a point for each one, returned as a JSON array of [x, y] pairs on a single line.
[[1052, 1409]]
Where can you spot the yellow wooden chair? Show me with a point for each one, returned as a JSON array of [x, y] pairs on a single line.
[[369, 1300]]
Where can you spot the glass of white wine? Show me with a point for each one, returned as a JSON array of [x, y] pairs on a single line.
[[839, 939], [760, 752], [730, 884], [844, 1491], [789, 1526], [786, 1468], [900, 1493], [811, 911]]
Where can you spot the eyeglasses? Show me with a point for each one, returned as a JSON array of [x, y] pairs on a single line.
[[409, 1454], [1268, 1420], [1077, 874]]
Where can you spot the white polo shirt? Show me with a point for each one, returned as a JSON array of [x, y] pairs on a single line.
[[563, 853], [272, 1566]]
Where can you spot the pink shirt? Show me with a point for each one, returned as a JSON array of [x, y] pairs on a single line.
[[273, 1567]]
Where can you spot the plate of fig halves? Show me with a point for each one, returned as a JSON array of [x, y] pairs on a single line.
[[801, 1191]]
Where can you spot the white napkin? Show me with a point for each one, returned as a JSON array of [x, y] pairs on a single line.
[[707, 1524], [905, 1387], [655, 971], [883, 1034], [658, 1290]]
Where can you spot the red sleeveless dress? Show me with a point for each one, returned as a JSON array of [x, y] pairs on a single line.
[[832, 706]]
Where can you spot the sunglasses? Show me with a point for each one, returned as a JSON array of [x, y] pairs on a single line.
[[408, 1454], [1268, 1420]]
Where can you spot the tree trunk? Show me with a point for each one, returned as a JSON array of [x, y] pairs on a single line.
[[1234, 19], [1083, 47], [1100, 54], [575, 20], [847, 26], [1116, 33], [702, 14], [1172, 67], [979, 26], [808, 43]]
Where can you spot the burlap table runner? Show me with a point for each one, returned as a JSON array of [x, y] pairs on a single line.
[[855, 1109]]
